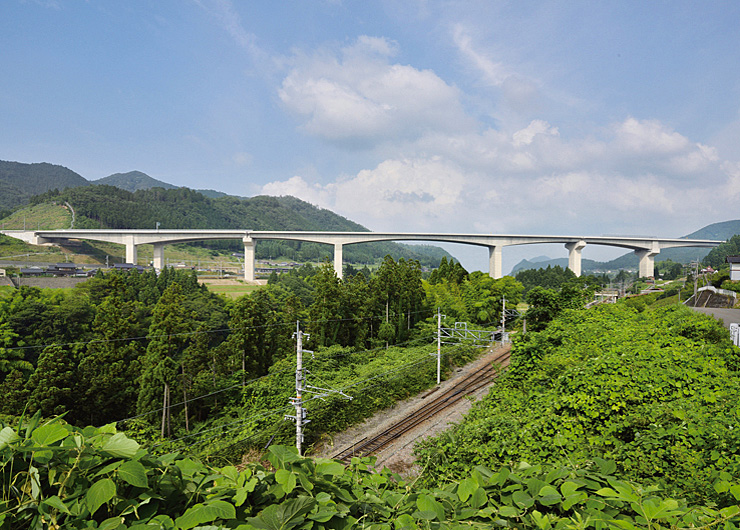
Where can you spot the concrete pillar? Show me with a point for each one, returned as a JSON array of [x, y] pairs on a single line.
[[158, 256], [338, 260], [647, 261], [132, 254], [248, 259], [574, 256], [495, 267]]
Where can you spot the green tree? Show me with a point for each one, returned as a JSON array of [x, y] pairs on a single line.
[[716, 256], [544, 305], [14, 392], [325, 313], [484, 296], [169, 335], [398, 295], [110, 365], [52, 384], [11, 358]]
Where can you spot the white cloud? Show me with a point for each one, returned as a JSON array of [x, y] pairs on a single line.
[[439, 169], [494, 73], [425, 191], [228, 17], [359, 98], [526, 135]]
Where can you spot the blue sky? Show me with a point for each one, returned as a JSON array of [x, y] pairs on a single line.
[[436, 116]]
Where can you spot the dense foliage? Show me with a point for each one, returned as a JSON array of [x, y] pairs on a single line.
[[655, 391], [716, 256], [547, 303], [182, 360], [56, 476]]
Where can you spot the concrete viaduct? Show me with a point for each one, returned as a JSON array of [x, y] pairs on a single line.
[[646, 248]]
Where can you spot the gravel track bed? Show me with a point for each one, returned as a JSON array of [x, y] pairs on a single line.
[[398, 456]]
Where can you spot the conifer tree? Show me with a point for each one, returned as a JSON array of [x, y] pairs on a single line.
[[110, 365], [14, 393], [168, 338], [11, 359], [51, 385]]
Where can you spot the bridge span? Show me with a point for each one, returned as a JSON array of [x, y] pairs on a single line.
[[646, 248]]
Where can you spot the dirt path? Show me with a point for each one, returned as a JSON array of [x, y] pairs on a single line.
[[398, 456]]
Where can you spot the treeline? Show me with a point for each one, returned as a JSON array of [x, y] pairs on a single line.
[[556, 277], [102, 206]]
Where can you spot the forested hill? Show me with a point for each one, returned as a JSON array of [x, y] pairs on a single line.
[[19, 182], [181, 208], [133, 181]]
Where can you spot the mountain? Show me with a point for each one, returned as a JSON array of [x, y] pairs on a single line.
[[19, 182], [105, 206], [721, 231], [133, 181], [136, 180]]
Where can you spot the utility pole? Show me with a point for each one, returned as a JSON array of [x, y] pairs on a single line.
[[300, 380], [301, 387], [503, 320], [439, 344]]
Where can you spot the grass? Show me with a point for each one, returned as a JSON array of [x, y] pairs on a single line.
[[231, 290], [38, 217]]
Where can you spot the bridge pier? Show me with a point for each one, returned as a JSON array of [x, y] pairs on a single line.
[[647, 260], [574, 256], [158, 259], [338, 260], [495, 267], [248, 259], [132, 253]]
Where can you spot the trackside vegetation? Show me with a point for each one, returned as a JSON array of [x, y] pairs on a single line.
[[655, 392]]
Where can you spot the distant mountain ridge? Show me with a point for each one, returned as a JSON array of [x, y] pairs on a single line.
[[133, 181], [720, 231], [19, 181]]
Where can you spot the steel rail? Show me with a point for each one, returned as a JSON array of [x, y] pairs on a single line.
[[369, 445]]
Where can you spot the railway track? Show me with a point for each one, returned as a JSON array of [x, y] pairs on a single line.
[[369, 445]]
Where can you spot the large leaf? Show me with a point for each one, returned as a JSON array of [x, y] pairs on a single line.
[[49, 434], [427, 503], [100, 493], [283, 516], [329, 468], [121, 446], [134, 473], [8, 436], [205, 513], [466, 488]]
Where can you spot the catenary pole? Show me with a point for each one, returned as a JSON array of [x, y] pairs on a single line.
[[439, 344], [299, 388]]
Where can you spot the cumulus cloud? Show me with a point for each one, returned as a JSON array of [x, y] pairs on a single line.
[[357, 97], [430, 191], [437, 167], [532, 178]]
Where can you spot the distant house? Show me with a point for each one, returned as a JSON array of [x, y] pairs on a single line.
[[33, 271], [127, 267], [734, 262]]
